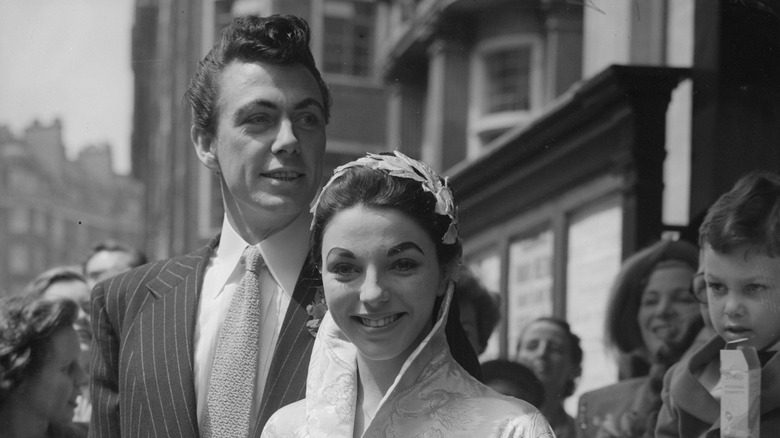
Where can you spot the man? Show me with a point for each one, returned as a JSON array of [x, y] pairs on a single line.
[[110, 258], [260, 108]]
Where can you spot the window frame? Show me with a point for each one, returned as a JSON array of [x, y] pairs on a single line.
[[481, 122]]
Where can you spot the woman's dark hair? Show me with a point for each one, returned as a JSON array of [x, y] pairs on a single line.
[[276, 39], [748, 214], [37, 287], [373, 188], [470, 292], [26, 324], [622, 331], [575, 350], [518, 375]]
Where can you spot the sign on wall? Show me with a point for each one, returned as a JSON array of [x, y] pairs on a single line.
[[530, 284]]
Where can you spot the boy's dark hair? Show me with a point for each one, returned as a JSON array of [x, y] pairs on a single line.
[[748, 214], [276, 39]]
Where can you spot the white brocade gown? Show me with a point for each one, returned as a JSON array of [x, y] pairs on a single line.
[[433, 396]]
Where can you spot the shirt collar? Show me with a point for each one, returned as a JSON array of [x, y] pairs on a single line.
[[284, 252]]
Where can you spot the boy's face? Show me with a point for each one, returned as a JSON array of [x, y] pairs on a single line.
[[743, 295]]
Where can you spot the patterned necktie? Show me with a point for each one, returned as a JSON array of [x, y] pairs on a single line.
[[234, 375]]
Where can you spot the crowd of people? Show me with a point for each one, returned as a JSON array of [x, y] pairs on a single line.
[[344, 310]]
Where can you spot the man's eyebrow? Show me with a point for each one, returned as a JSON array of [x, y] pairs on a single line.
[[250, 105], [309, 101], [401, 247]]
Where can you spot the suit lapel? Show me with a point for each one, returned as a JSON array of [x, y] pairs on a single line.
[[286, 381], [167, 354]]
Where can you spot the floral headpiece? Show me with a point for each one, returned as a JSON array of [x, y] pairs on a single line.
[[401, 166]]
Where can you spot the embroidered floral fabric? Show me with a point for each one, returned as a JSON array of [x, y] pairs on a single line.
[[431, 397]]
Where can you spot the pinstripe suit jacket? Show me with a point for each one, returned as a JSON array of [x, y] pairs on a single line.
[[142, 352], [142, 356]]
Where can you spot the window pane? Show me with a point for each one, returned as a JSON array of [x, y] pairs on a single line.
[[19, 222], [348, 37], [508, 74]]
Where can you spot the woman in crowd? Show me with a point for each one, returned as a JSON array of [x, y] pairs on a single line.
[[553, 352], [652, 319], [479, 310], [385, 235], [66, 282], [40, 372]]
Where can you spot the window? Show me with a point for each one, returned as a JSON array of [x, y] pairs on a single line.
[[18, 259], [508, 79], [39, 222], [506, 87], [20, 221], [348, 37]]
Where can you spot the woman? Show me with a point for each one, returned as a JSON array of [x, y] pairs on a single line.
[[65, 282], [651, 320], [553, 352], [40, 373], [385, 235]]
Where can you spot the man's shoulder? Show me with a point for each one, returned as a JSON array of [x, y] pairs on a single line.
[[152, 270], [608, 397]]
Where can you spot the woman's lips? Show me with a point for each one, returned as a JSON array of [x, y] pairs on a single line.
[[378, 322]]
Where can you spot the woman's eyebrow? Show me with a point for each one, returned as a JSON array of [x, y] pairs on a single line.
[[341, 252], [401, 247]]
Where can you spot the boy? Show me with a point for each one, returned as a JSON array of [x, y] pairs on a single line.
[[740, 244]]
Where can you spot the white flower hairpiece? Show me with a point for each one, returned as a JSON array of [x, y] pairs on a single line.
[[401, 166]]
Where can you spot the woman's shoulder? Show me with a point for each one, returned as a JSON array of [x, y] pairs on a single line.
[[514, 417], [525, 423], [286, 422]]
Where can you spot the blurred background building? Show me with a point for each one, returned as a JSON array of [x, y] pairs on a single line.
[[52, 209], [575, 132]]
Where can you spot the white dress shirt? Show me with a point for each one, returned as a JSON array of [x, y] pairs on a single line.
[[284, 254]]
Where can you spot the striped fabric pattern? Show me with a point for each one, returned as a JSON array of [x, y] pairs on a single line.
[[142, 353]]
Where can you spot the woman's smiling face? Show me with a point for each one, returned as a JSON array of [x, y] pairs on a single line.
[[667, 310], [381, 277]]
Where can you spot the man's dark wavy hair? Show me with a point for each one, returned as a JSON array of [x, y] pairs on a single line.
[[276, 39]]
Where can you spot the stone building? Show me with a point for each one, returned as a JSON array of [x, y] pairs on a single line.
[[577, 132], [574, 132], [52, 209]]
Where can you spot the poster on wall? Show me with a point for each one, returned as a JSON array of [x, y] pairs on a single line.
[[530, 283], [594, 256]]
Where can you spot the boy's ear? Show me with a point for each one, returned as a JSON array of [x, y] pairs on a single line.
[[205, 148]]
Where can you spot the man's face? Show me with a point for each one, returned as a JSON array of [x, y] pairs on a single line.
[[106, 264], [269, 141]]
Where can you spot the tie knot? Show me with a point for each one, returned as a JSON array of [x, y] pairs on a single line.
[[252, 259]]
